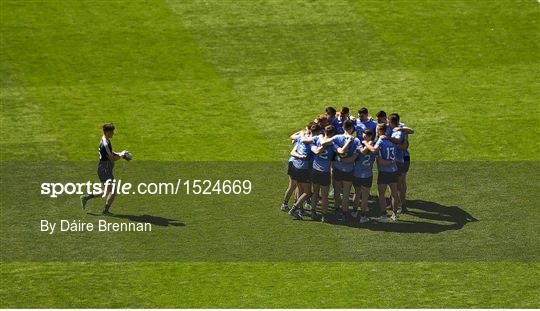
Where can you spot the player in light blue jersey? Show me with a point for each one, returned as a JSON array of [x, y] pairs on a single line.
[[386, 163], [363, 175], [296, 139], [324, 150], [332, 118], [381, 117], [301, 168], [399, 136], [343, 171], [363, 123]]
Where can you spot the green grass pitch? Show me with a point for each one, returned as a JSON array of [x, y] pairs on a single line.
[[213, 89]]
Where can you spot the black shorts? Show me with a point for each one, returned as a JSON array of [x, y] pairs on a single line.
[[386, 178], [290, 171], [302, 175], [364, 182], [105, 170], [403, 167], [321, 178], [343, 176]]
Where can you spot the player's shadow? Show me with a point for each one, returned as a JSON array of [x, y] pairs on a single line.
[[154, 220], [423, 217]]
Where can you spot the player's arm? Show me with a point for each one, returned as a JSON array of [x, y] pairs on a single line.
[[404, 129], [372, 149], [364, 149], [317, 149], [404, 145], [350, 159], [295, 154], [385, 162], [295, 135], [398, 139], [307, 140], [326, 142], [114, 156], [122, 155], [395, 140], [343, 150]]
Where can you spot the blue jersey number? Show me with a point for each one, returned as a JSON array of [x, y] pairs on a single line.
[[391, 152]]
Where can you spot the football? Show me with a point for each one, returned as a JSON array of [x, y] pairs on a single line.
[[128, 156]]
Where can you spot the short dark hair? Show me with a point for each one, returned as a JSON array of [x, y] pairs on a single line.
[[323, 120], [363, 111], [345, 110], [368, 133], [348, 124], [330, 110], [380, 114], [394, 118], [315, 128], [108, 127], [330, 130]]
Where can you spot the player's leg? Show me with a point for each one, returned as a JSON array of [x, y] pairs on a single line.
[[394, 199], [346, 201], [288, 193], [365, 197], [305, 192], [398, 175], [382, 198], [87, 197], [357, 197], [315, 197], [324, 180], [364, 193], [324, 199], [338, 186], [104, 173], [110, 194], [338, 189], [290, 188], [403, 186]]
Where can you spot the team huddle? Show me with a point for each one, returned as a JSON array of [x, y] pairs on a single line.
[[338, 149]]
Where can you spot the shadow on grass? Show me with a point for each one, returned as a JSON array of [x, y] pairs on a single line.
[[154, 220], [423, 217]]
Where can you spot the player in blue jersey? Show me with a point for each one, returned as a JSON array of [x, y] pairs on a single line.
[[301, 168], [332, 118], [400, 137], [295, 138], [292, 178], [381, 117], [324, 150], [386, 163], [346, 145], [363, 123], [363, 175], [344, 114], [322, 120]]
